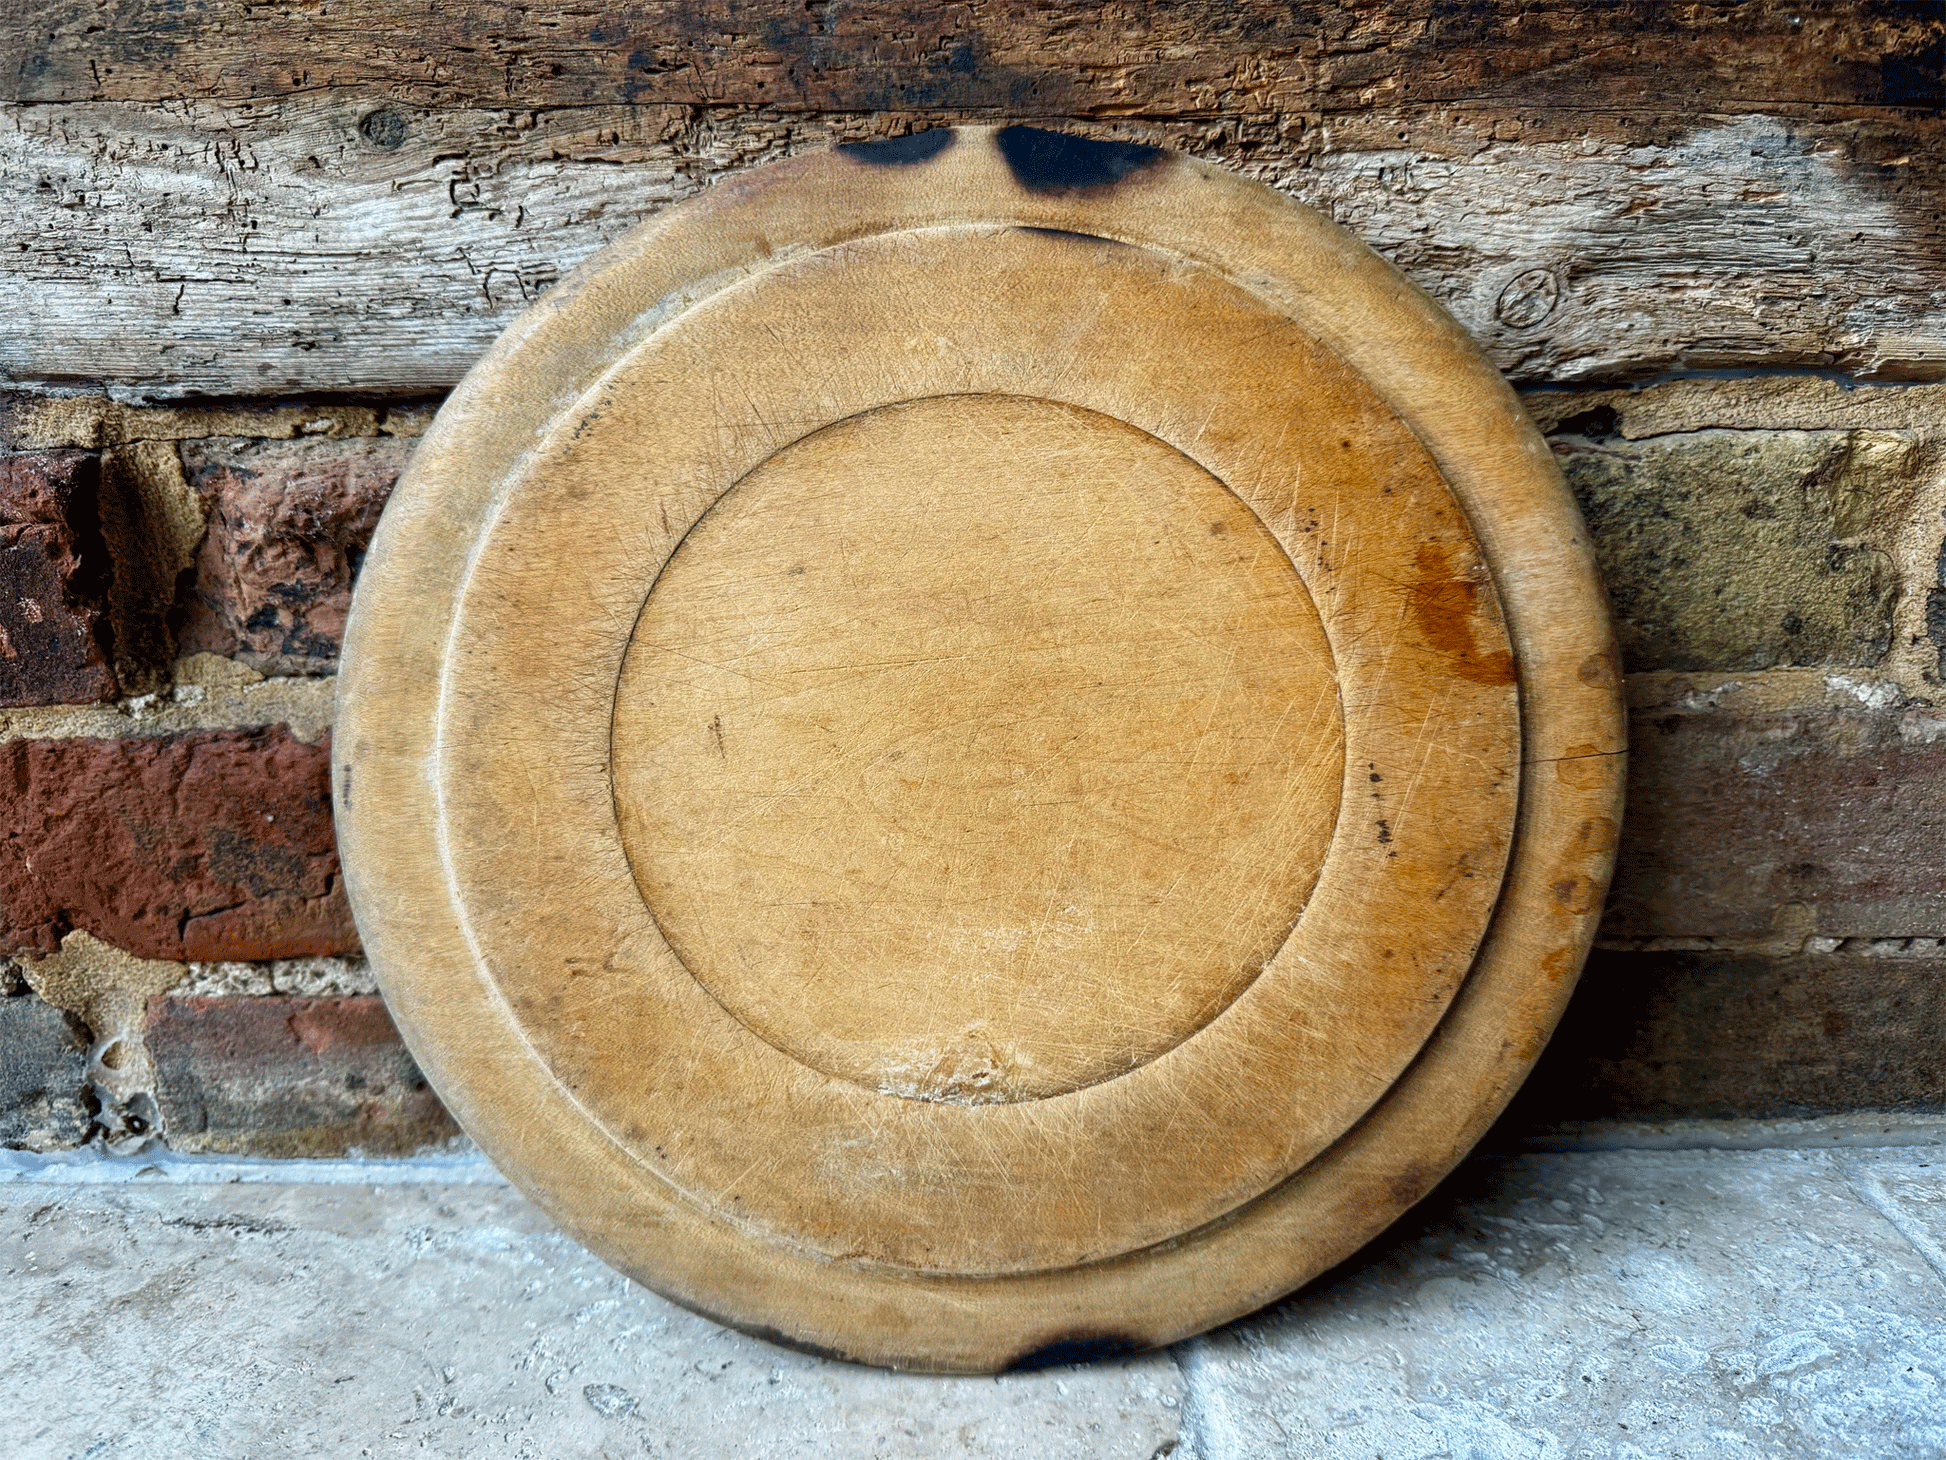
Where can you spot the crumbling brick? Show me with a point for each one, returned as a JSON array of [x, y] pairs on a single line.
[[289, 1077], [53, 578], [204, 845], [1746, 549], [43, 1073], [289, 522]]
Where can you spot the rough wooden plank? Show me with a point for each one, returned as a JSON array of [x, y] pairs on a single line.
[[294, 246], [1151, 57], [1748, 403]]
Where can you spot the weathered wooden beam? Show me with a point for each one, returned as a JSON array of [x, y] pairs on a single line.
[[324, 244], [1155, 58]]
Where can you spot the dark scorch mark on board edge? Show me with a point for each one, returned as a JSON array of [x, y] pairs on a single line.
[[906, 151], [1054, 162], [1081, 1349]]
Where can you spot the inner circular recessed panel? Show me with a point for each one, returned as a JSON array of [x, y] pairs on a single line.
[[977, 748]]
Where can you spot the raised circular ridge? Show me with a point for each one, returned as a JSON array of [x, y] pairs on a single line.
[[618, 481]]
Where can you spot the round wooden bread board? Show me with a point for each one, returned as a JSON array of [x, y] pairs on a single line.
[[979, 750]]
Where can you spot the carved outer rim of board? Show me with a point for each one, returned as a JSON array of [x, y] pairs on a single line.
[[1429, 374], [1044, 1184]]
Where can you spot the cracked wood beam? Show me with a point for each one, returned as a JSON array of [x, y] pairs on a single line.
[[320, 245], [1192, 58]]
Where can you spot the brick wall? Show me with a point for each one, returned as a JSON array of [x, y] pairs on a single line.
[[1772, 945], [181, 955], [180, 958], [1709, 247]]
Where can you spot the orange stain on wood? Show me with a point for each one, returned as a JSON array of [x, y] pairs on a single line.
[[1445, 604]]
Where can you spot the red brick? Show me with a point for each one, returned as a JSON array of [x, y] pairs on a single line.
[[1732, 816], [53, 576], [42, 486], [289, 522], [202, 845], [288, 1077]]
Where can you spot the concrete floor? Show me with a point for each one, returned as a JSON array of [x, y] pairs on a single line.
[[1652, 1303]]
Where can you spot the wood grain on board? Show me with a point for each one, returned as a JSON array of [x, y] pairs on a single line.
[[979, 749], [993, 695]]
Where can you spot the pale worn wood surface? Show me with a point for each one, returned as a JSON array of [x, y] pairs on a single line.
[[963, 307], [987, 696], [539, 776], [275, 247]]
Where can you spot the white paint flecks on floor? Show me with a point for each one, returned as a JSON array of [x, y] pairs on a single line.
[[1636, 1304]]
